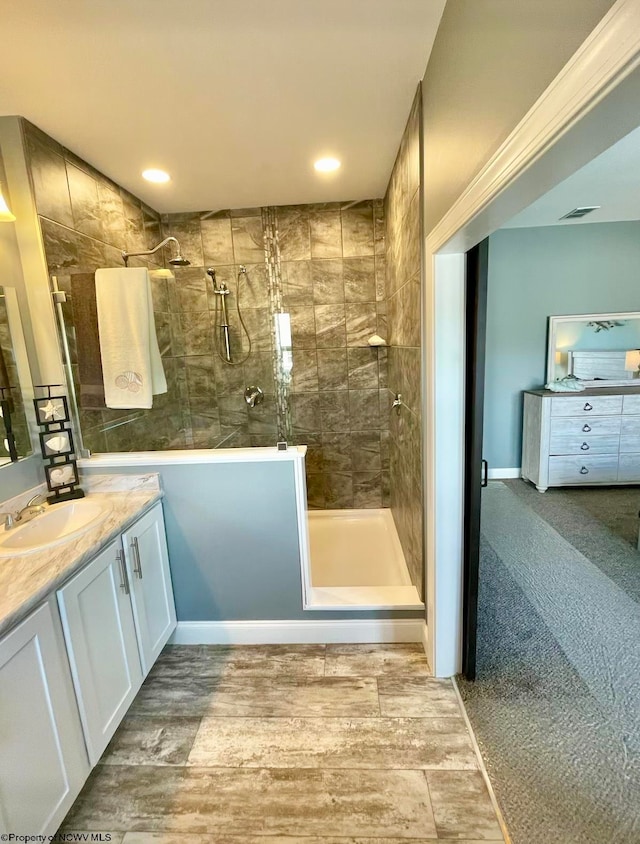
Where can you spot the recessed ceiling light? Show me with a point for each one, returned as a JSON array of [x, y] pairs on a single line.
[[157, 176], [326, 165]]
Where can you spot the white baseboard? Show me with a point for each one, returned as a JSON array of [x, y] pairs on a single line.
[[499, 474], [300, 632]]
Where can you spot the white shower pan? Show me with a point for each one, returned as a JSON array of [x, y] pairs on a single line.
[[356, 562]]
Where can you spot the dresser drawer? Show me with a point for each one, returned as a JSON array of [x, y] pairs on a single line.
[[629, 468], [586, 406], [630, 434], [583, 470], [594, 426], [584, 444], [631, 404]]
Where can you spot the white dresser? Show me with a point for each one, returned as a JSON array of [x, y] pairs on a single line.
[[586, 438]]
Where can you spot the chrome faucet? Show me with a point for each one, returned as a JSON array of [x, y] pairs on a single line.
[[33, 508]]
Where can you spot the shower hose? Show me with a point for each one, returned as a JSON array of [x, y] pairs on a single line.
[[218, 339]]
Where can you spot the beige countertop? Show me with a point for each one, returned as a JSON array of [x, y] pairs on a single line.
[[27, 579]]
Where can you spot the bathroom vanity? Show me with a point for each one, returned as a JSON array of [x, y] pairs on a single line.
[[81, 623]]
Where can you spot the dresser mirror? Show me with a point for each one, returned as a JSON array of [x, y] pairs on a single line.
[[17, 418], [603, 350]]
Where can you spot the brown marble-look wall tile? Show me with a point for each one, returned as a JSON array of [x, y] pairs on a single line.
[[85, 204], [294, 235], [337, 453], [305, 371], [326, 234], [303, 327], [366, 451], [367, 489], [402, 321], [361, 322], [186, 228], [359, 279], [316, 491], [112, 214], [217, 242], [339, 491], [188, 290], [332, 369], [363, 368], [253, 290], [328, 284], [196, 332], [330, 326], [357, 230], [135, 237], [49, 177], [305, 410], [364, 410], [297, 283], [248, 241], [334, 411]]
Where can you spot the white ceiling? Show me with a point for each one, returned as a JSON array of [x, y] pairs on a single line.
[[235, 98], [611, 180]]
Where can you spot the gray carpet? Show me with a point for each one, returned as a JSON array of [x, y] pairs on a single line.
[[556, 706]]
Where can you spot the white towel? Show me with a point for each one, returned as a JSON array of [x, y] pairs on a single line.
[[131, 363]]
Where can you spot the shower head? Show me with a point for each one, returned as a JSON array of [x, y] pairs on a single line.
[[176, 261], [179, 261]]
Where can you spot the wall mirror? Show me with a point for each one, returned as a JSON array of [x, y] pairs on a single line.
[[603, 350], [17, 417]]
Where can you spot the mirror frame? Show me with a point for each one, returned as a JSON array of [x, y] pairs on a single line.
[[555, 321], [22, 365]]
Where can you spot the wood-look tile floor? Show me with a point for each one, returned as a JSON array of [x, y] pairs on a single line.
[[289, 744]]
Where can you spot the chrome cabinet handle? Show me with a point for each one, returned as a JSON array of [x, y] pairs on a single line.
[[137, 563], [584, 447], [124, 580], [586, 428], [584, 471], [587, 406]]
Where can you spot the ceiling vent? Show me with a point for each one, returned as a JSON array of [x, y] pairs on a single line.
[[581, 211]]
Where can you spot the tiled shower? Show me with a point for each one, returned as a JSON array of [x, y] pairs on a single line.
[[335, 268]]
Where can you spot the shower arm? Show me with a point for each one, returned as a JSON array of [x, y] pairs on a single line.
[[127, 255]]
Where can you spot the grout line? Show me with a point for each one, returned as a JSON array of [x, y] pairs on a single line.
[[195, 736], [481, 766]]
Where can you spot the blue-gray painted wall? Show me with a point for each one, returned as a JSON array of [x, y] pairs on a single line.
[[18, 477], [233, 541], [537, 273]]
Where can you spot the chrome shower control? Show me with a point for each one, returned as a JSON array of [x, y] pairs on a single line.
[[253, 396]]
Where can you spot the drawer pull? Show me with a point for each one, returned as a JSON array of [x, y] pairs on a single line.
[[584, 471], [586, 428], [587, 406], [124, 580], [137, 562], [584, 447]]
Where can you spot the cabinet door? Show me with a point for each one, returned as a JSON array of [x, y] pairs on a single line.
[[95, 607], [151, 590], [43, 762]]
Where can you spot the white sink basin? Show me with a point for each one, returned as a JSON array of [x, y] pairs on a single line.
[[57, 524]]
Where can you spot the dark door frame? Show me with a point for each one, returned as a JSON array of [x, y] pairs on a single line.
[[476, 470]]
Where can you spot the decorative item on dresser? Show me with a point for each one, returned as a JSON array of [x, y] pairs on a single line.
[[570, 440]]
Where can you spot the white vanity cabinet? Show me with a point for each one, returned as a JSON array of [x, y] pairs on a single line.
[[97, 619], [43, 761], [117, 614], [145, 548], [586, 438]]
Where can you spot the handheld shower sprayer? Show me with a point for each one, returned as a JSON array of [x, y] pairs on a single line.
[[223, 342]]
